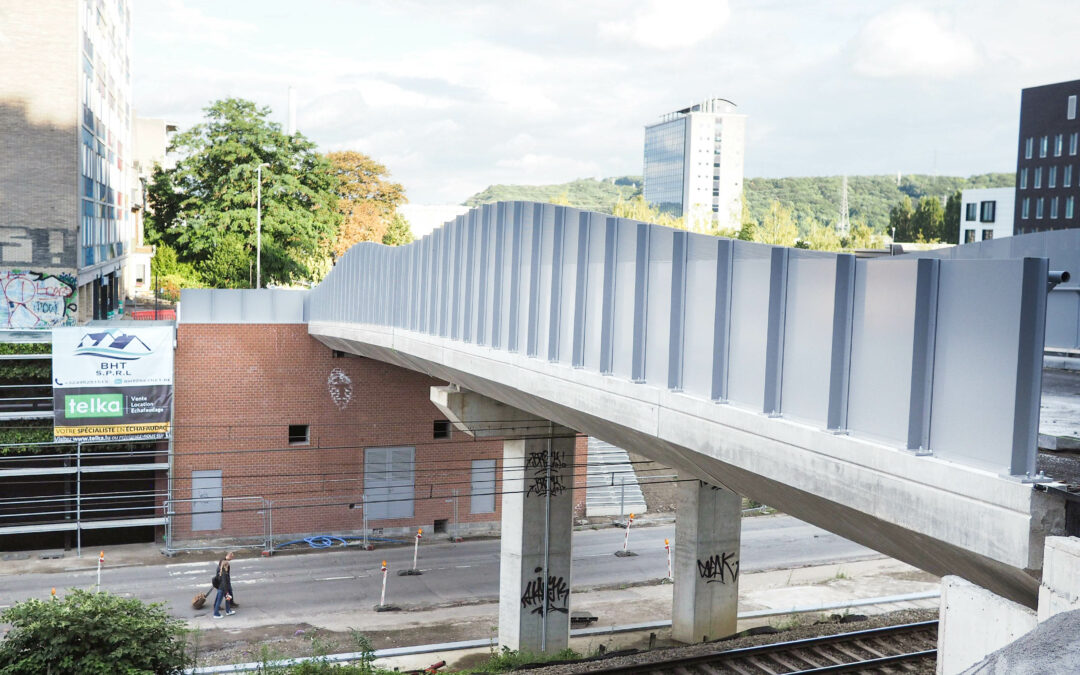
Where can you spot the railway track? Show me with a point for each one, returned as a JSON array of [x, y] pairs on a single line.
[[894, 649]]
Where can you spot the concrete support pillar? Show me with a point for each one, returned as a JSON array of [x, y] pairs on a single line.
[[537, 517], [537, 521], [706, 566]]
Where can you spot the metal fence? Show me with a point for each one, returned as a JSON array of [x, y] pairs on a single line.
[[940, 356]]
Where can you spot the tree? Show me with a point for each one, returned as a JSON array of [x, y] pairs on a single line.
[[822, 238], [636, 208], [208, 201], [928, 220], [367, 199], [951, 225], [900, 216], [398, 232], [92, 633], [778, 227]]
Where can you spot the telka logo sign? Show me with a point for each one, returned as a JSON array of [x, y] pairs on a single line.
[[94, 405]]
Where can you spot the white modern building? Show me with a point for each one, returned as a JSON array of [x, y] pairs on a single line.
[[986, 213], [694, 164]]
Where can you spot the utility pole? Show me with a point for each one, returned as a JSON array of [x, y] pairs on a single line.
[[258, 226], [843, 226]]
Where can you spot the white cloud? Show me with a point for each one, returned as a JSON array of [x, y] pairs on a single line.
[[669, 24], [908, 41]]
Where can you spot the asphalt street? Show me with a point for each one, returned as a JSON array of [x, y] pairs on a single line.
[[453, 574]]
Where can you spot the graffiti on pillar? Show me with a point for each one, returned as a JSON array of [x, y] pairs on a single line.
[[558, 594], [340, 386], [720, 568], [536, 464], [37, 299]]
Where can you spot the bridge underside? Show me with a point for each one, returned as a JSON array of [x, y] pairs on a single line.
[[941, 517]]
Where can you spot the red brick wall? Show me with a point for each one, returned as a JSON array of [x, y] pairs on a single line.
[[240, 386]]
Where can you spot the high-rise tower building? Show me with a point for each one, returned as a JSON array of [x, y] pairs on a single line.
[[694, 164], [66, 227]]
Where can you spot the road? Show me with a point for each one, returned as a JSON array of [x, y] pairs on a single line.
[[467, 572]]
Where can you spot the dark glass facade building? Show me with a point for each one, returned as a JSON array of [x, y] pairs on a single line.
[[1048, 159]]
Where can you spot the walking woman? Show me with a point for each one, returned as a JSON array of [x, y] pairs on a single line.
[[224, 587]]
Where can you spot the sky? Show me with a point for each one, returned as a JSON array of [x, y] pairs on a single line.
[[456, 95]]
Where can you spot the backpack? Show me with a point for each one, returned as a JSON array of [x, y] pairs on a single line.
[[216, 581]]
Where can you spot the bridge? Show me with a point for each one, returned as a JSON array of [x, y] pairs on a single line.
[[893, 401]]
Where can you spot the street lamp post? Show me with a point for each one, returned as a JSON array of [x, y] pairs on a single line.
[[258, 226]]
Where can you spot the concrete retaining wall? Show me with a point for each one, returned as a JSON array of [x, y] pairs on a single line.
[[1060, 589], [974, 623]]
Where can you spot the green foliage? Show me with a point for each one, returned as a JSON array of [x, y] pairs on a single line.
[[26, 431], [228, 264], [811, 200], [900, 220], [817, 199], [777, 227], [636, 208], [398, 232], [25, 348], [90, 633], [929, 220], [506, 660], [585, 193], [951, 234], [208, 201]]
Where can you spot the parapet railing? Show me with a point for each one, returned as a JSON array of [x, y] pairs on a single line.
[[934, 356]]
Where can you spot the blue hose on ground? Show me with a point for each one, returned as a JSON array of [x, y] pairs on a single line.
[[328, 540]]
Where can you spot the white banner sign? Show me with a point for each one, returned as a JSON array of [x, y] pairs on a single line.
[[93, 356]]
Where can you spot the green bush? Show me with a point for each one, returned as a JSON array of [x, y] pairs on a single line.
[[92, 633]]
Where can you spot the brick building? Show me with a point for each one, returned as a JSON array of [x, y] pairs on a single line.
[[263, 411]]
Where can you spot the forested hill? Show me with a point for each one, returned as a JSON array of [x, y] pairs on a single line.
[[869, 197], [584, 193], [815, 198]]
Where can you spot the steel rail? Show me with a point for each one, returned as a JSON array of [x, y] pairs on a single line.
[[775, 647]]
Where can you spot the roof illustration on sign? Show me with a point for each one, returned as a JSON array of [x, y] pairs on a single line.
[[112, 345]]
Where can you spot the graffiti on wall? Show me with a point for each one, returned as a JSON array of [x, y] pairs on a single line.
[[536, 462], [37, 299], [558, 594], [340, 386], [720, 568]]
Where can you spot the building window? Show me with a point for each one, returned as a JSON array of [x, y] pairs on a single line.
[[1039, 208], [1028, 145], [1038, 177], [1023, 179], [987, 235], [1074, 137], [1069, 207], [441, 429], [1066, 176], [969, 236], [1053, 207], [1051, 178], [299, 434], [482, 496], [389, 482], [1070, 113], [1044, 145], [986, 212], [1059, 144], [970, 211], [1025, 208]]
